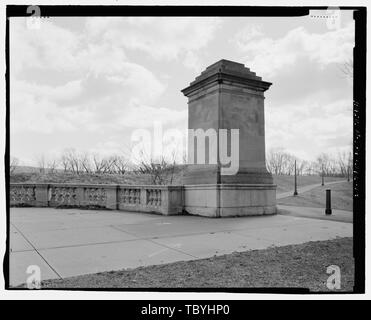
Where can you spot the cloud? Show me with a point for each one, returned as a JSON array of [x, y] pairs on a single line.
[[165, 116], [99, 71], [48, 47], [84, 105], [310, 128], [65, 92], [99, 91], [32, 113], [163, 38], [268, 56], [192, 61], [248, 33]]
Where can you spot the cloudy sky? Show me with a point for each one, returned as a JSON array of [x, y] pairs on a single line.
[[87, 83]]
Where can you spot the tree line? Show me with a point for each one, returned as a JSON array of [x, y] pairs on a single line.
[[159, 171], [280, 162]]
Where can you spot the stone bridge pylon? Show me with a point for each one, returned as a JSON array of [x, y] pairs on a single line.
[[226, 124]]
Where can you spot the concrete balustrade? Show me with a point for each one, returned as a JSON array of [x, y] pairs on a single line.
[[166, 200]]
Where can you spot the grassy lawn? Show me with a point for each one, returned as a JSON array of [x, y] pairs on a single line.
[[299, 266], [67, 177], [286, 183], [341, 197]]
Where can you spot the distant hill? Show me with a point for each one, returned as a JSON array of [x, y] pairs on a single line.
[[26, 169], [30, 169]]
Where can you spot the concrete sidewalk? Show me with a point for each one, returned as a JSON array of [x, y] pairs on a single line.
[[70, 242]]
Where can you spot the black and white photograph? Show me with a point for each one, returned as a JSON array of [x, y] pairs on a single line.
[[210, 148]]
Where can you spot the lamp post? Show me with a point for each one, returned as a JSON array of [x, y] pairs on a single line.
[[323, 177], [296, 186]]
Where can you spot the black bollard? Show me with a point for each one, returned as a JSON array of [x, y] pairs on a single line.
[[328, 202]]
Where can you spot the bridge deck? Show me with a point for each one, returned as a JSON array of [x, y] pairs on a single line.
[[70, 242]]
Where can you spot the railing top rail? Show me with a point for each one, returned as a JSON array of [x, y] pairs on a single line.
[[85, 185]]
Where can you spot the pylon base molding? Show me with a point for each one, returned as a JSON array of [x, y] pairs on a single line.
[[229, 200]]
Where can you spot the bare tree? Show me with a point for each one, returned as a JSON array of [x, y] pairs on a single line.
[[64, 162], [52, 165], [288, 164], [41, 163], [14, 162], [347, 68], [120, 164], [323, 163], [85, 163], [342, 162], [160, 171], [98, 163], [333, 165], [301, 166], [73, 161], [109, 164], [280, 162], [275, 161], [350, 165]]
